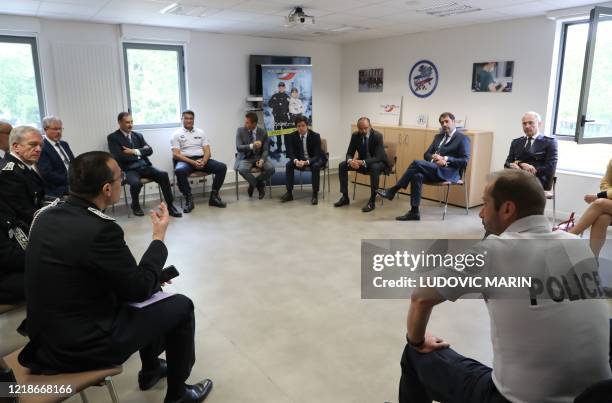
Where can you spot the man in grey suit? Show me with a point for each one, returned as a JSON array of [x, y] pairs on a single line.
[[252, 144]]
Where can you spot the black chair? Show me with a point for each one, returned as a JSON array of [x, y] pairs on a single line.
[[254, 170], [324, 168], [391, 150], [461, 182]]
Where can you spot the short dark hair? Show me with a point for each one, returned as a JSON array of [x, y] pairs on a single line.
[[445, 115], [301, 118], [519, 187], [281, 84], [121, 115], [188, 112], [89, 172], [252, 116], [364, 118]]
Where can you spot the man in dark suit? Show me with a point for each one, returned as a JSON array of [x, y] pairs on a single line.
[[132, 153], [80, 279], [13, 242], [445, 160], [303, 151], [252, 144], [534, 152], [372, 159], [55, 158], [21, 186]]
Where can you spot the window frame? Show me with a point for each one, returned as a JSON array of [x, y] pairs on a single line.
[[180, 51], [560, 65], [33, 42]]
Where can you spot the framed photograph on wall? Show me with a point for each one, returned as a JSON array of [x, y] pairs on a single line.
[[492, 77], [371, 80]]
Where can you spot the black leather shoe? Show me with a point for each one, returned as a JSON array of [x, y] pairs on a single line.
[[188, 205], [409, 216], [173, 211], [315, 199], [286, 197], [137, 210], [386, 193], [368, 207], [343, 201], [148, 379], [261, 188], [250, 190], [216, 201], [194, 393]]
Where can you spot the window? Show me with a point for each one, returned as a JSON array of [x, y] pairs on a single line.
[[21, 102], [155, 78], [584, 84]]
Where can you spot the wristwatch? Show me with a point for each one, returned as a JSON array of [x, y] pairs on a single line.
[[415, 345]]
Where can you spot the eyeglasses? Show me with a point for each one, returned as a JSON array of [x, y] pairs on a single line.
[[55, 128]]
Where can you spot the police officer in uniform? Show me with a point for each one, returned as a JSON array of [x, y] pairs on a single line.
[[80, 277], [21, 187], [279, 103], [13, 242]]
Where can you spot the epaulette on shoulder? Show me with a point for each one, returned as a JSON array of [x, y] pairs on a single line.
[[40, 210], [100, 214], [9, 166]]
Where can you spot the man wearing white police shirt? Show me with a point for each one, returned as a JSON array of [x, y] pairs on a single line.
[[543, 351]]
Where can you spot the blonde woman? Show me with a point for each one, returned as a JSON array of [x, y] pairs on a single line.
[[598, 215]]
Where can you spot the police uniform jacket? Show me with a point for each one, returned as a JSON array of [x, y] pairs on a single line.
[[21, 188], [79, 275]]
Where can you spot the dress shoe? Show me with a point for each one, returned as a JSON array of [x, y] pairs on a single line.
[[215, 200], [261, 188], [368, 207], [315, 199], [343, 201], [148, 379], [188, 204], [386, 193], [137, 210], [287, 197], [409, 216], [194, 393], [250, 190], [173, 211]]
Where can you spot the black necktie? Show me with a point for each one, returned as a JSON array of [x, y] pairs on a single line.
[[529, 143], [302, 155], [63, 155], [129, 138], [363, 149]]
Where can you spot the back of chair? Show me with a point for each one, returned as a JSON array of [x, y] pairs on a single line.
[[391, 150], [324, 146]]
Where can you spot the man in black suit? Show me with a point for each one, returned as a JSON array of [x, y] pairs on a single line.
[[372, 160], [21, 186], [80, 279], [534, 152], [445, 160], [303, 151], [252, 145], [131, 152], [55, 158]]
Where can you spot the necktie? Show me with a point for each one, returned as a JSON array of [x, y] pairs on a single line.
[[254, 134], [363, 149], [529, 143], [64, 156], [442, 143], [302, 155]]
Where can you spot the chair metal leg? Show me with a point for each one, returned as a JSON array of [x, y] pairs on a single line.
[[382, 199], [324, 169], [467, 199], [144, 195], [83, 397], [301, 181], [236, 173], [446, 202], [328, 180], [111, 389], [126, 201], [398, 193], [354, 184]]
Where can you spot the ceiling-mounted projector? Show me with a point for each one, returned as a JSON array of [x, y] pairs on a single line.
[[297, 16]]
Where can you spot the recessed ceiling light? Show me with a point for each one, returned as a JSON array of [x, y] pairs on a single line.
[[170, 8]]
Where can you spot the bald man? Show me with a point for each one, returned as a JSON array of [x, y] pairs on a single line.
[[5, 130], [534, 152]]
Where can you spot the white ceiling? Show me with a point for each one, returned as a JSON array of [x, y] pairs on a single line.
[[371, 18]]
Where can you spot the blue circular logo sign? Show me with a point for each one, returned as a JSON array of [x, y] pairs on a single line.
[[423, 78]]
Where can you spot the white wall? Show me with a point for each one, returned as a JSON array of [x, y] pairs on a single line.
[[528, 42], [217, 84]]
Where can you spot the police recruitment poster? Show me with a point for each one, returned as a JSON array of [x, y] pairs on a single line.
[[287, 93]]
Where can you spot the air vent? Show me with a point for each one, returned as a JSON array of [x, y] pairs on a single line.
[[447, 8], [189, 11]]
